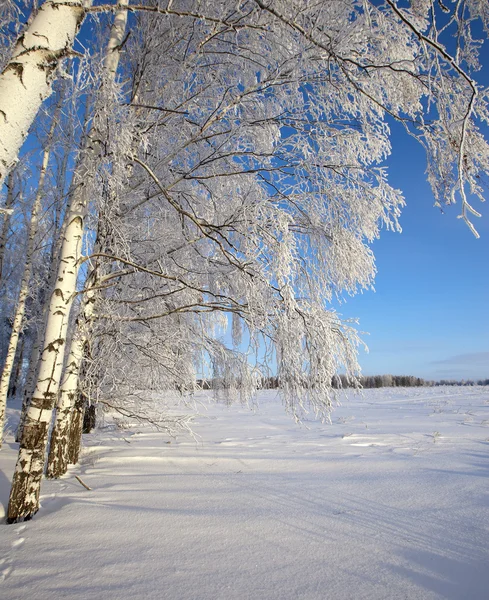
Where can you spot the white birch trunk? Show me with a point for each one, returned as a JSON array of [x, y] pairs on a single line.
[[38, 345], [24, 499], [58, 453], [26, 484], [34, 362], [116, 38], [24, 286], [17, 373], [30, 382], [26, 80], [58, 459]]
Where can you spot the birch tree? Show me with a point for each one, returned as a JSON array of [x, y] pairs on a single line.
[[70, 140], [26, 80], [36, 228], [24, 497], [69, 388], [24, 286]]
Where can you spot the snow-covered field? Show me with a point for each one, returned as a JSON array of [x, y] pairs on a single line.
[[389, 502]]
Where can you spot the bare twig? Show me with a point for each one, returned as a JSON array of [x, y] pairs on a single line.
[[82, 483]]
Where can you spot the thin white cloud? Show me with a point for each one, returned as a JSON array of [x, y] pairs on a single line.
[[479, 359]]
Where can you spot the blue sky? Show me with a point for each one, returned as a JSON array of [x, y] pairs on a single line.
[[429, 315]]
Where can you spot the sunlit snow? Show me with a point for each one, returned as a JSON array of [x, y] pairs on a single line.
[[389, 502]]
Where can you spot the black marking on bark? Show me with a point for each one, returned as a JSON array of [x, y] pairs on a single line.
[[18, 68], [33, 435], [58, 452], [34, 49], [77, 218], [51, 347], [119, 47], [40, 35], [43, 403]]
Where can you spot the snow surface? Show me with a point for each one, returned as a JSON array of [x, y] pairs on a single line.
[[389, 502]]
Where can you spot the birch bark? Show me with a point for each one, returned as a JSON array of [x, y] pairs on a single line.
[[76, 430], [24, 286], [26, 484], [58, 452], [63, 179], [30, 382], [59, 447], [17, 373], [24, 499], [26, 80], [33, 370]]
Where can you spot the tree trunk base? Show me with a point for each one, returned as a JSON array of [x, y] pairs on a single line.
[[58, 452], [12, 520], [75, 437]]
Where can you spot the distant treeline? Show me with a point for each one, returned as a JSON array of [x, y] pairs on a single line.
[[367, 381], [379, 381]]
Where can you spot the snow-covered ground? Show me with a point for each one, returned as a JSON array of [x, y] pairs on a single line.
[[389, 502]]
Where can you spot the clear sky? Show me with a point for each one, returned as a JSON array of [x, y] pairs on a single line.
[[429, 315]]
